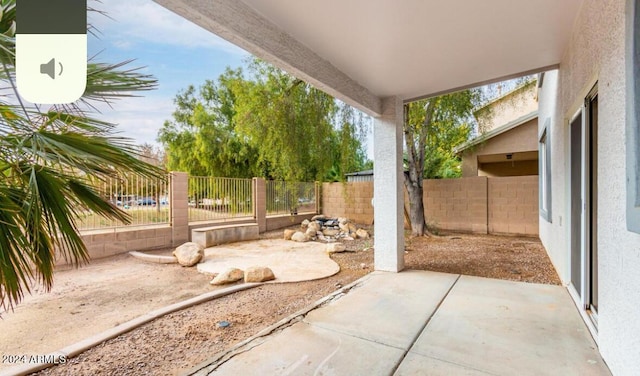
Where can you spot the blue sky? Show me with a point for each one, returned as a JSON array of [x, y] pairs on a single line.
[[177, 52]]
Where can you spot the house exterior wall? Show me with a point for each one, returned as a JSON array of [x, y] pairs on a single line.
[[518, 103], [596, 52], [515, 168], [520, 139]]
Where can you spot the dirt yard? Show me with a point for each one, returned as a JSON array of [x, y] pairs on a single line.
[[178, 341]]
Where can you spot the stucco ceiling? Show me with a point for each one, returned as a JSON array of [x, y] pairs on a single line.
[[413, 48], [405, 48]]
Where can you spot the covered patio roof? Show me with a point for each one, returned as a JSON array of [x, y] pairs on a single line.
[[361, 51], [377, 55]]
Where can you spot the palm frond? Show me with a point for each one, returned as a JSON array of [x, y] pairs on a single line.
[[51, 164]]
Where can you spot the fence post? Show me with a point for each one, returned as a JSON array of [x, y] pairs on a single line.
[[179, 204], [318, 198], [260, 203]]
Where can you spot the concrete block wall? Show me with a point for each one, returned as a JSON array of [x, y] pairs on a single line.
[[513, 205], [179, 196], [500, 205], [260, 203], [457, 204], [110, 242], [351, 200], [105, 243]]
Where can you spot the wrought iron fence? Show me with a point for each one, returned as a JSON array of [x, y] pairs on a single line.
[[212, 198], [145, 200], [290, 197]]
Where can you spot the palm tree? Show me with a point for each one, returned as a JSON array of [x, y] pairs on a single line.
[[50, 162]]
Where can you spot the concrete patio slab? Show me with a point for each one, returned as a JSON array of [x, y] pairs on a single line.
[[418, 365], [303, 349], [507, 328], [289, 261], [427, 323], [389, 308]]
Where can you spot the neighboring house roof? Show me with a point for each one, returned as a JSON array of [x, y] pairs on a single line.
[[495, 132], [360, 173]]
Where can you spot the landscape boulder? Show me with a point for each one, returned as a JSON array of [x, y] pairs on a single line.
[[230, 275], [288, 234], [314, 226], [299, 237], [258, 274], [189, 254], [305, 223], [330, 232], [335, 248], [362, 234]]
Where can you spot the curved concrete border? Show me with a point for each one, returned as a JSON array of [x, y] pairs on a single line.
[[84, 345], [212, 363], [158, 259]]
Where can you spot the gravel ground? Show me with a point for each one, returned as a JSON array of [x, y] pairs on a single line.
[[177, 342]]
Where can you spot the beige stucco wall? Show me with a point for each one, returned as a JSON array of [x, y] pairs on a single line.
[[520, 139], [514, 105], [596, 52]]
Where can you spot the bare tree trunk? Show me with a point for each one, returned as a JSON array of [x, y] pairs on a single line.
[[415, 136], [416, 206]]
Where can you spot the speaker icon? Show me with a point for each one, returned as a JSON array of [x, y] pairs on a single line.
[[50, 68]]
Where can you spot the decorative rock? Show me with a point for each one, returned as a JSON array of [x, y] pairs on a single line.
[[288, 234], [258, 274], [352, 227], [330, 232], [319, 217], [343, 220], [348, 238], [362, 234], [344, 227], [228, 276], [335, 248], [299, 237], [305, 223], [189, 254], [315, 226]]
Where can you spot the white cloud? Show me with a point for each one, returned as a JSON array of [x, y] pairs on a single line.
[[138, 118], [139, 21]]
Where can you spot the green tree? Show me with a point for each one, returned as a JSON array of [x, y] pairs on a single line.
[[49, 162], [202, 138], [432, 128], [269, 124]]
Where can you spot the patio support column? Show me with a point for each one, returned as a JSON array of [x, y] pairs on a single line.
[[388, 187]]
